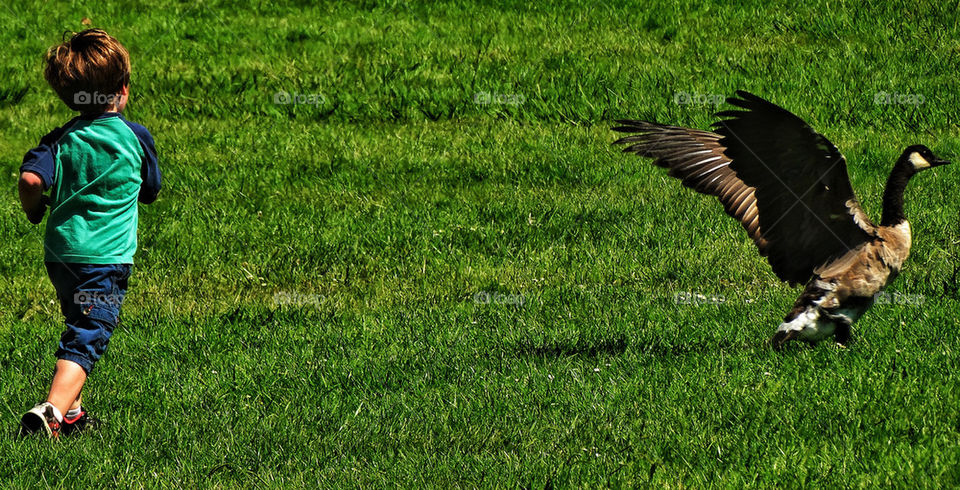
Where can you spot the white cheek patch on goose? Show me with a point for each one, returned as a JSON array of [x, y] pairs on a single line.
[[918, 161]]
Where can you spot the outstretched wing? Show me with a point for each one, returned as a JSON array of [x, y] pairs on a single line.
[[784, 182], [697, 159], [808, 211]]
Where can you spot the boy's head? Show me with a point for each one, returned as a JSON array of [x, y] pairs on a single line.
[[90, 72]]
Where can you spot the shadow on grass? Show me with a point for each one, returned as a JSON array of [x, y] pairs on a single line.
[[594, 348], [656, 347], [659, 348], [585, 348]]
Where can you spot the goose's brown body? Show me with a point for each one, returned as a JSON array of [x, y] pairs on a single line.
[[788, 187], [843, 289]]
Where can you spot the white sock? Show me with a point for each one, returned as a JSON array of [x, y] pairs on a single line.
[[73, 413]]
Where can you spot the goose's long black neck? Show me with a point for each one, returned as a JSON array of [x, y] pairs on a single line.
[[893, 195]]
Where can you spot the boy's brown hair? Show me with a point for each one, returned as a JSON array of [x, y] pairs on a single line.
[[88, 71]]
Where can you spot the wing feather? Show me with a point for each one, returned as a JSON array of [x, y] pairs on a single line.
[[696, 158]]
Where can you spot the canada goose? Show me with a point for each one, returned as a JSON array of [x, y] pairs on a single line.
[[788, 187]]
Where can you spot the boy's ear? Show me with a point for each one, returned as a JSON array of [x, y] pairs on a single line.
[[125, 90]]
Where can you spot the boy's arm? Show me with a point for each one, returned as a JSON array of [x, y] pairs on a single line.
[[149, 167], [36, 176], [150, 173], [32, 200]]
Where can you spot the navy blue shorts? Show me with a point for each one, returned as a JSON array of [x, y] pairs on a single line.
[[90, 297]]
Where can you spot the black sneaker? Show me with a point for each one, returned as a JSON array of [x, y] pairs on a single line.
[[82, 422], [38, 418]]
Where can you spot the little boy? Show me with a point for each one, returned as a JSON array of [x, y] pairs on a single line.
[[98, 166]]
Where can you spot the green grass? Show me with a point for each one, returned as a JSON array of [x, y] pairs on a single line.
[[383, 209]]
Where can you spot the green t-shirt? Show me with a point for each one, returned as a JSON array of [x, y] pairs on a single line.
[[99, 164]]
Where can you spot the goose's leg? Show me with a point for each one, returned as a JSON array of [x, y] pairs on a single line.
[[780, 338], [842, 334], [841, 329]]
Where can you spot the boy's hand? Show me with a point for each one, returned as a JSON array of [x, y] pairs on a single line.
[[32, 199], [36, 216]]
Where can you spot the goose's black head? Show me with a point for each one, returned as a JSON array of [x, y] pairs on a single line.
[[913, 160], [919, 157]]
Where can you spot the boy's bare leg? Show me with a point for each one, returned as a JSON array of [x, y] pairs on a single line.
[[68, 380]]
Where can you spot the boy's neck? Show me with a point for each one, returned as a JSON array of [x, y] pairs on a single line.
[[113, 108], [94, 115]]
